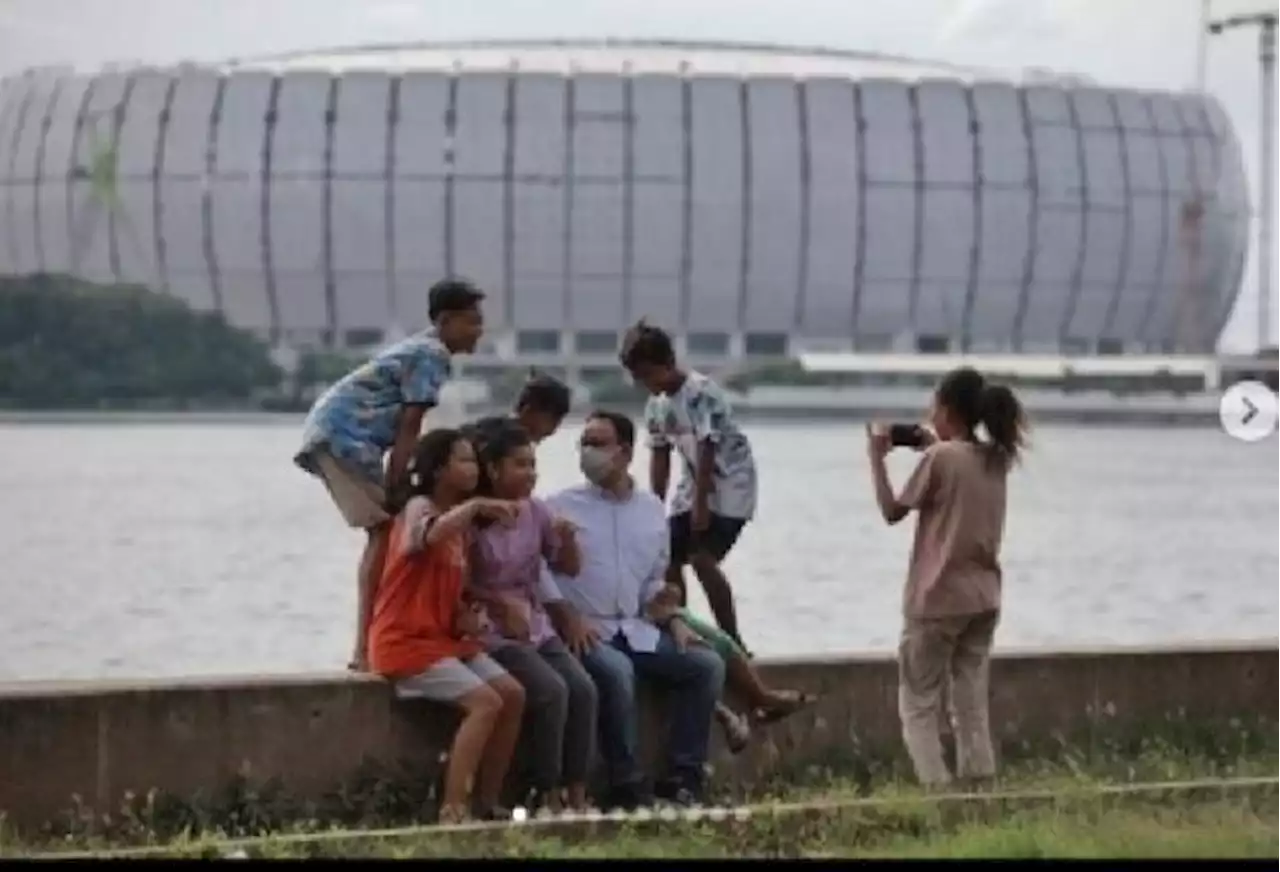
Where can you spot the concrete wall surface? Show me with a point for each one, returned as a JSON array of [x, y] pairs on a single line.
[[312, 733]]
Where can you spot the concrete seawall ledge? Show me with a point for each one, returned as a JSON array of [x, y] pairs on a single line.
[[313, 733]]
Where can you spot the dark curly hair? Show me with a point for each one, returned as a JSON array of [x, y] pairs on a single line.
[[646, 344]]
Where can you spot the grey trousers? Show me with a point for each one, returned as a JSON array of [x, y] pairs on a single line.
[[560, 711], [951, 654]]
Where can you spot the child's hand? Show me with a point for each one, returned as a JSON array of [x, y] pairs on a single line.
[[878, 444], [512, 620], [563, 527], [502, 511], [683, 636], [469, 620]]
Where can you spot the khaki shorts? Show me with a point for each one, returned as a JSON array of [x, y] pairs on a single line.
[[359, 500]]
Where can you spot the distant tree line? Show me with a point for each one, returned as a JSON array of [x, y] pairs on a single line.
[[70, 344]]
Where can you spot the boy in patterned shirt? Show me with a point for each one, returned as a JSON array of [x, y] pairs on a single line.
[[376, 411], [717, 493]]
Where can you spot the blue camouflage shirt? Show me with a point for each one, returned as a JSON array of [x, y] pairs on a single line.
[[355, 420]]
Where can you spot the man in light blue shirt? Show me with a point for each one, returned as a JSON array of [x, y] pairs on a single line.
[[607, 613]]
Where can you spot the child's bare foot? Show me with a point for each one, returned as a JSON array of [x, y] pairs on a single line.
[[453, 814], [737, 731], [783, 703]]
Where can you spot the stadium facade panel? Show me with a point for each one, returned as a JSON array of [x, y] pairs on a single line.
[[751, 214]]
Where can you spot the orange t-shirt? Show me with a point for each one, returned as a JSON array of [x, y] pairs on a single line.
[[418, 598]]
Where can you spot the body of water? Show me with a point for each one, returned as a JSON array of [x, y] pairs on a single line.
[[183, 548]]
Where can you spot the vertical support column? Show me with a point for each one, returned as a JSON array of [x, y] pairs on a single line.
[[1086, 205], [509, 200], [206, 199], [860, 231], [1267, 176], [918, 191], [114, 205], [1126, 234], [744, 252], [161, 276], [975, 249], [686, 205], [38, 181], [79, 224], [389, 198], [806, 204], [28, 85], [1202, 48], [1033, 229], [1222, 292], [268, 265], [568, 193], [326, 218], [1166, 219], [450, 148], [628, 195], [1192, 338]]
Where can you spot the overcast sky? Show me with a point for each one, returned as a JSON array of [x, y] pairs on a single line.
[[1142, 43]]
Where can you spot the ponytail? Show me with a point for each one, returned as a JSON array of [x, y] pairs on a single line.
[[1002, 416], [430, 456], [976, 402]]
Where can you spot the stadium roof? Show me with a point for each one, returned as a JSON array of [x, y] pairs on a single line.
[[636, 56]]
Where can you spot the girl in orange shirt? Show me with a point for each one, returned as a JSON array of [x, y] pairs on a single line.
[[424, 635]]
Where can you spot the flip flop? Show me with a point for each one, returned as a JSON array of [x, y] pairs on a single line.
[[783, 709]]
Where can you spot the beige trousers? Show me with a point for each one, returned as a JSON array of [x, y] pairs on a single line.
[[950, 655]]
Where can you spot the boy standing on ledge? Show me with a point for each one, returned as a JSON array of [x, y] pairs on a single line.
[[717, 493], [378, 409]]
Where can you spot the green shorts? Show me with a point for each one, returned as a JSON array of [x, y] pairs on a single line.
[[720, 641]]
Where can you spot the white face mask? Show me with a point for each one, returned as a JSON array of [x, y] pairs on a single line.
[[596, 463]]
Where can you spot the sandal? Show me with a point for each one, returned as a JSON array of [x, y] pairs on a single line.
[[496, 813], [792, 702]]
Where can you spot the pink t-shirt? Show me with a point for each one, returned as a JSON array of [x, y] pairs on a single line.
[[955, 559], [507, 560]]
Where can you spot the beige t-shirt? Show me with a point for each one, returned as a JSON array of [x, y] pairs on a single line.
[[955, 559]]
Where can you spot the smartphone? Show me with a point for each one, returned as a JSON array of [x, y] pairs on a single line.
[[906, 435]]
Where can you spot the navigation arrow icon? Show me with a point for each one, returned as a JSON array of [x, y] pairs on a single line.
[[1248, 411]]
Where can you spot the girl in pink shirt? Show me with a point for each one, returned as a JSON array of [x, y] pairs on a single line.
[[507, 561]]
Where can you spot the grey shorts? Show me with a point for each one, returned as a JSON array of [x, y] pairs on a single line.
[[450, 679]]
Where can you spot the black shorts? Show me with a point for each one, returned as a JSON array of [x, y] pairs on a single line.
[[717, 540]]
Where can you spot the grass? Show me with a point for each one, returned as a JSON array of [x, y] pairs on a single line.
[[1054, 818], [1222, 830], [1241, 827], [1150, 762], [890, 818]]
